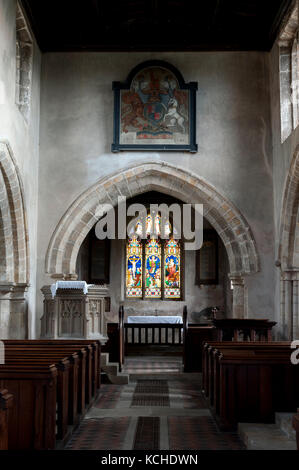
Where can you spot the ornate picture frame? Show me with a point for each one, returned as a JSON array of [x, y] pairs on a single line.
[[154, 109], [99, 260], [207, 262]]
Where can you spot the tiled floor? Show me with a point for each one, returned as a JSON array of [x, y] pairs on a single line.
[[160, 409]]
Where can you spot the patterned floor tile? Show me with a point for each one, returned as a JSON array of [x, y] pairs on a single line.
[[199, 433], [109, 396], [100, 434], [162, 392]]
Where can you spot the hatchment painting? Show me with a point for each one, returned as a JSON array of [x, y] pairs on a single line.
[[154, 109]]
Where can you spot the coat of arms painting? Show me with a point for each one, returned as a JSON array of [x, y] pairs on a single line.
[[154, 109]]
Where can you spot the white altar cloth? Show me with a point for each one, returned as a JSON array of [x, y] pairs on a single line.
[[154, 319], [69, 285]]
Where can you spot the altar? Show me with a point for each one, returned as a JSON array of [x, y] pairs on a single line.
[[173, 319]]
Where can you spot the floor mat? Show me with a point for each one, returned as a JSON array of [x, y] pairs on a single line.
[[147, 436], [151, 393]]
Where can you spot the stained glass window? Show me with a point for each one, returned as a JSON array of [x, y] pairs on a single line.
[[153, 269], [161, 276], [172, 271], [134, 268]]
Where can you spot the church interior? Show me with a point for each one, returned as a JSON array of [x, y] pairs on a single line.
[[128, 131]]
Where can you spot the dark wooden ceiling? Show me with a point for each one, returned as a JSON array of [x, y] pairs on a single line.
[[155, 25]]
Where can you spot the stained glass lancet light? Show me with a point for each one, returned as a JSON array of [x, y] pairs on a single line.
[[134, 268], [153, 269], [172, 271], [161, 258]]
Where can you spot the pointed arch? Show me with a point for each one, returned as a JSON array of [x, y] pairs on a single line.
[[163, 177], [289, 215], [14, 265]]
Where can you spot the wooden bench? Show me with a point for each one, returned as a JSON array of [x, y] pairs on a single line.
[[209, 349], [77, 365], [250, 385], [32, 421], [243, 329], [93, 361], [6, 402]]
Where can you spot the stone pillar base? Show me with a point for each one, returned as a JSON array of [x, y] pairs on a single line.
[[13, 311]]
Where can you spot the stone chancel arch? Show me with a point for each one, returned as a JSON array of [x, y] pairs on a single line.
[[219, 211]]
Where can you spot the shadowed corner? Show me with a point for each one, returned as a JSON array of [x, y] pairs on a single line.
[[2, 353]]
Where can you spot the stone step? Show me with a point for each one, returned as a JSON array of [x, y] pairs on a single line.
[[120, 379], [265, 437], [104, 359], [284, 422], [111, 368]]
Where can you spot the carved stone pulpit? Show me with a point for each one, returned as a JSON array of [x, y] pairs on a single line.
[[71, 313]]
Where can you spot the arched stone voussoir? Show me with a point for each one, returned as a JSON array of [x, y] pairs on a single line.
[[13, 219], [289, 213], [168, 179]]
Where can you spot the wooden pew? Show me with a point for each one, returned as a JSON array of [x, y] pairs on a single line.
[[74, 381], [251, 385], [210, 365], [243, 329], [78, 380], [6, 402], [194, 335], [32, 419], [208, 353], [22, 357], [296, 427], [93, 362]]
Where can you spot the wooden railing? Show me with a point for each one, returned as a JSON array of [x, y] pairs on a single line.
[[153, 334], [127, 337]]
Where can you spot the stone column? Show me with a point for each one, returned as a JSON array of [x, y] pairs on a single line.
[[289, 309], [238, 296], [13, 311]]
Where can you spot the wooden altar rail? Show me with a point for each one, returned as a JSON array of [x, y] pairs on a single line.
[[190, 336], [154, 333]]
